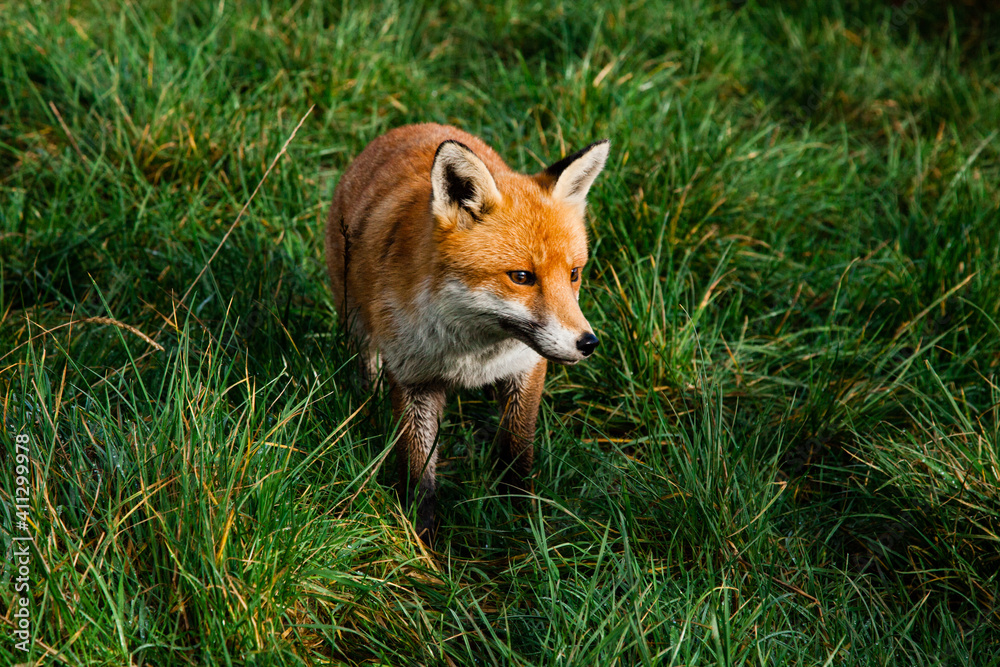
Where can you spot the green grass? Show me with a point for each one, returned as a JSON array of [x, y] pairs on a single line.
[[784, 453]]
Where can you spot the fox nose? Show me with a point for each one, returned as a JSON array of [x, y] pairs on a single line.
[[587, 344]]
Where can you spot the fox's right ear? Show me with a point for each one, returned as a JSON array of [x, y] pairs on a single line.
[[572, 176], [460, 182]]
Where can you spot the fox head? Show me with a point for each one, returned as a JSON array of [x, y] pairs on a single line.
[[512, 247]]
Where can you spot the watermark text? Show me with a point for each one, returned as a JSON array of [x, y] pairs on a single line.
[[22, 544]]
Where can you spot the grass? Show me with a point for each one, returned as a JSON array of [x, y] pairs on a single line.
[[784, 453]]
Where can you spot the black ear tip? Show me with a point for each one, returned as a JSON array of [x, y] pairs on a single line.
[[555, 169], [606, 143], [451, 141]]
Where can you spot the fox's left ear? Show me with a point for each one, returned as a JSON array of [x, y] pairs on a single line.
[[574, 174], [460, 182]]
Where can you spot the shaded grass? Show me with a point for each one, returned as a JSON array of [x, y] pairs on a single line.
[[785, 452]]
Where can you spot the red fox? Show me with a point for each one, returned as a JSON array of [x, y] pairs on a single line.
[[451, 270]]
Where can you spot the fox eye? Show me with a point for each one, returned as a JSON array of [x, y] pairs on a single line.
[[522, 277], [574, 275]]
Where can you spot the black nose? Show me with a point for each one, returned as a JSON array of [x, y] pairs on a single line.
[[587, 344]]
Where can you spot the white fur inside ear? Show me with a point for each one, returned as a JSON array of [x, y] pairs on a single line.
[[575, 180], [459, 179]]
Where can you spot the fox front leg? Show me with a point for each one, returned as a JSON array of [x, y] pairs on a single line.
[[519, 398], [418, 409]]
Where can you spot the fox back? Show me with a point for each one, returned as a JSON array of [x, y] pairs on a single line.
[[452, 270]]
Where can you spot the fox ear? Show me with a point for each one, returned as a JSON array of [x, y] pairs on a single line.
[[574, 174], [461, 181]]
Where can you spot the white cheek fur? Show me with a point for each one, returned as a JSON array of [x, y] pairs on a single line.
[[453, 335], [551, 339]]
